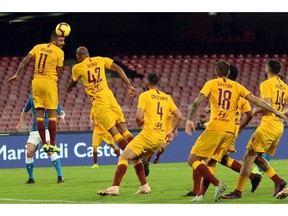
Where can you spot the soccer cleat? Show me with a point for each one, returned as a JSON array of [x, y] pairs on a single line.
[[50, 148], [282, 195], [54, 148], [113, 191], [189, 194], [146, 166], [255, 182], [256, 171], [198, 198], [60, 179], [218, 191], [46, 148], [95, 166], [30, 181], [279, 187], [144, 189], [231, 195]]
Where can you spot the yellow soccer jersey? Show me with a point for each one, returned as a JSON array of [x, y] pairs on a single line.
[[156, 105], [99, 128], [243, 106], [223, 95], [275, 89], [92, 73], [47, 58]]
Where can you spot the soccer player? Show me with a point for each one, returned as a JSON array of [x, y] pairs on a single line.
[[91, 71], [243, 106], [257, 170], [34, 140], [100, 134], [223, 95], [48, 58], [153, 108], [267, 135]]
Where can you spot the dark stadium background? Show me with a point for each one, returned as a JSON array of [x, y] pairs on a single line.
[[138, 33]]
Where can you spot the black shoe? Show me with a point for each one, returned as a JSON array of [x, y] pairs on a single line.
[[146, 166], [279, 187], [30, 181], [255, 182], [231, 195], [189, 194], [60, 179]]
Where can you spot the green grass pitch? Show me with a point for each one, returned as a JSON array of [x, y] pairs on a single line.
[[168, 182]]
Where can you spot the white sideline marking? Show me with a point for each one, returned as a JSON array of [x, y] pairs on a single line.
[[44, 201]]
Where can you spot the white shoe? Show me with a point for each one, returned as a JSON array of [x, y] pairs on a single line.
[[113, 191], [144, 189], [281, 195], [219, 190], [198, 198]]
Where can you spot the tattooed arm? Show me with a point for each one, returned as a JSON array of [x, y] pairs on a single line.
[[190, 124]]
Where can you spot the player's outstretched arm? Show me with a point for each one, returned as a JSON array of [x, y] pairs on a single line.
[[261, 103], [132, 92], [22, 65]]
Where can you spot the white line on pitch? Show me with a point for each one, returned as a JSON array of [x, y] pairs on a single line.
[[44, 201]]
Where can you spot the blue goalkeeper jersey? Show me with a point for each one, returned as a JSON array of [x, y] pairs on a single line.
[[30, 105]]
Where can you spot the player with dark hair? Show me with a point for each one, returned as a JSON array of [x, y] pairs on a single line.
[[267, 135], [34, 140], [153, 108], [100, 134], [49, 59], [257, 170], [223, 95]]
